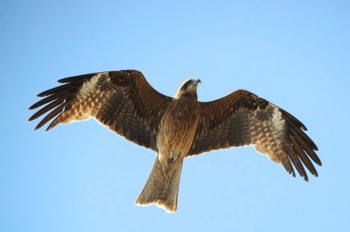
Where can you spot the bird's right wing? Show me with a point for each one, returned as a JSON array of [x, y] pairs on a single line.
[[121, 100]]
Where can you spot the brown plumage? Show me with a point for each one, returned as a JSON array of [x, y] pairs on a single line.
[[179, 126]]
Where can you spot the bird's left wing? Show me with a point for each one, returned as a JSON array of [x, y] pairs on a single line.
[[121, 100], [242, 119]]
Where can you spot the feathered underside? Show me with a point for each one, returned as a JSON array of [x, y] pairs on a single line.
[[126, 103], [242, 119], [121, 100]]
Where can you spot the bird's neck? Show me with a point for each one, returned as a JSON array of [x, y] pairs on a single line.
[[188, 96]]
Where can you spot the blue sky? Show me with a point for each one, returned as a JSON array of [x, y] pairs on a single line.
[[81, 177]]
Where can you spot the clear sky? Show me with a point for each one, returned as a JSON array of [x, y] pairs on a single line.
[[82, 177]]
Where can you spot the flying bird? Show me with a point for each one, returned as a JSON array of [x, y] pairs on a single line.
[[177, 127]]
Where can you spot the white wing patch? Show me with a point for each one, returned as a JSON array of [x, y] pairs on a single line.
[[88, 99], [277, 119], [89, 86], [268, 134]]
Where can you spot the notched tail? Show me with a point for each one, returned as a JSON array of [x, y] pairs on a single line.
[[161, 189]]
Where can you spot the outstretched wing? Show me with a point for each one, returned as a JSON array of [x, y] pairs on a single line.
[[121, 100], [242, 119]]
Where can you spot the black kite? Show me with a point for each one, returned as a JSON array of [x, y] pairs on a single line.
[[179, 126]]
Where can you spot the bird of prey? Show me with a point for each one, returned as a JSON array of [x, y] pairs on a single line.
[[178, 127]]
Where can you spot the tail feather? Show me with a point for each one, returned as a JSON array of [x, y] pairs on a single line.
[[161, 189]]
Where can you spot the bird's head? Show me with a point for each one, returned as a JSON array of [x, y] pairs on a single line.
[[188, 88]]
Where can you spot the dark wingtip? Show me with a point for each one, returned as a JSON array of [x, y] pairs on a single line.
[[317, 160], [64, 80], [37, 128], [79, 78], [31, 119], [41, 125], [34, 106], [42, 94]]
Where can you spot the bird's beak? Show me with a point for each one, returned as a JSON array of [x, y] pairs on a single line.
[[198, 81]]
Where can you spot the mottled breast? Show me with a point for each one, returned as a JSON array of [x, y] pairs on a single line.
[[177, 129]]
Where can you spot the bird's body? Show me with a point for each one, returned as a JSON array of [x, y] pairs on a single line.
[[178, 127]]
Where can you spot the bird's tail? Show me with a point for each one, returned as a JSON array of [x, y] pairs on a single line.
[[161, 188]]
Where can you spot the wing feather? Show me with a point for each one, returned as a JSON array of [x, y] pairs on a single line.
[[286, 163], [55, 112], [242, 119], [306, 147], [121, 100], [304, 158], [296, 162], [48, 107]]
